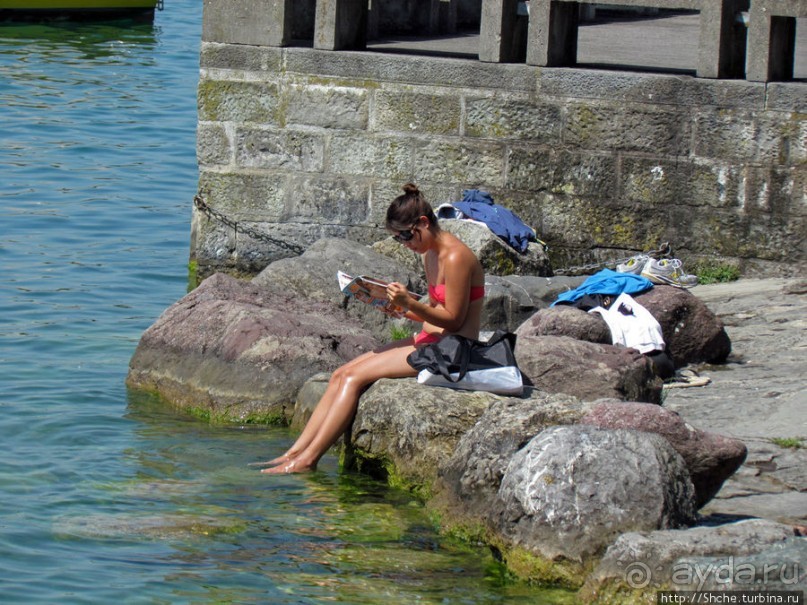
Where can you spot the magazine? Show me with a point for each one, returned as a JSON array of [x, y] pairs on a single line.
[[370, 291]]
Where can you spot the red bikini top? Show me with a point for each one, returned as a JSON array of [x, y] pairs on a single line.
[[438, 293]]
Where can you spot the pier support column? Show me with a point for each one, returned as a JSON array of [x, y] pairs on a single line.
[[254, 22], [341, 25], [772, 39], [552, 34], [721, 51], [501, 37]]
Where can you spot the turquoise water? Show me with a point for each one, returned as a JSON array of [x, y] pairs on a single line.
[[105, 496]]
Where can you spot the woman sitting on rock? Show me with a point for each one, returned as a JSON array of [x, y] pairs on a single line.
[[456, 288]]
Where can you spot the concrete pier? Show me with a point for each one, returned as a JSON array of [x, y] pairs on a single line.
[[627, 149]]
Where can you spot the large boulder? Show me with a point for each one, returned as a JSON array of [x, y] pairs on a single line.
[[566, 320], [404, 430], [638, 564], [590, 371], [312, 276], [496, 256], [233, 350], [572, 490], [710, 458], [470, 478], [693, 333]]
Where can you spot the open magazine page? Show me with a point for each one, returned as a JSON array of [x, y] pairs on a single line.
[[370, 291]]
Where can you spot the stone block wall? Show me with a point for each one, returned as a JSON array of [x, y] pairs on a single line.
[[295, 144]]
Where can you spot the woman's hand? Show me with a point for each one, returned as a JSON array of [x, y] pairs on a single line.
[[398, 295]]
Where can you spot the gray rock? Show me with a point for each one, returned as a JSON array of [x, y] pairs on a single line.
[[307, 399], [692, 332], [572, 490], [757, 395], [771, 484], [234, 350], [778, 568], [496, 255], [710, 458], [641, 561], [470, 479], [511, 300], [403, 430], [312, 276], [590, 371]]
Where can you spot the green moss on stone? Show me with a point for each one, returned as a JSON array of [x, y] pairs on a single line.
[[584, 122], [193, 275], [383, 468], [208, 100], [536, 569], [198, 413], [714, 272], [499, 263]]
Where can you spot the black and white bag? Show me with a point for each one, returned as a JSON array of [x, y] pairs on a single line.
[[461, 363]]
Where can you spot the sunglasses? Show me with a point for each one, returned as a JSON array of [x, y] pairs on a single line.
[[405, 236]]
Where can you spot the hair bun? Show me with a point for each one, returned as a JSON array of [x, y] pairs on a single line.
[[411, 189]]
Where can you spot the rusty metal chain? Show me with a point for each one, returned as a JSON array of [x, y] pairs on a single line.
[[205, 209], [663, 251]]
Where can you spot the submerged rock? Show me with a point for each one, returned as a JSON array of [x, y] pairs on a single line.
[[155, 527]]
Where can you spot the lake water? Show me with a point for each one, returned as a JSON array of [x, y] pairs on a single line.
[[105, 495]]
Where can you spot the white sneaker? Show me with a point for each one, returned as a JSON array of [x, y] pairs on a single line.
[[633, 265], [668, 272]]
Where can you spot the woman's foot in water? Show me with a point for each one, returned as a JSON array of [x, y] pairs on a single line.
[[287, 457], [290, 466]]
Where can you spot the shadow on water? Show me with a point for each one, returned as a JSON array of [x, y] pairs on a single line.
[[94, 39]]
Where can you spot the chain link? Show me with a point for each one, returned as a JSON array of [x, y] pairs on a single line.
[[205, 209], [663, 251]]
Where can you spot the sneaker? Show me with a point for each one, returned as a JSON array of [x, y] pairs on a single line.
[[686, 378], [669, 272], [633, 265]]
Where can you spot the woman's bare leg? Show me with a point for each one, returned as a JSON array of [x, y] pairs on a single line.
[[313, 424], [338, 410], [322, 408]]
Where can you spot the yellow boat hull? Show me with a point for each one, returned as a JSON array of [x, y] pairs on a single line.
[[76, 5]]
